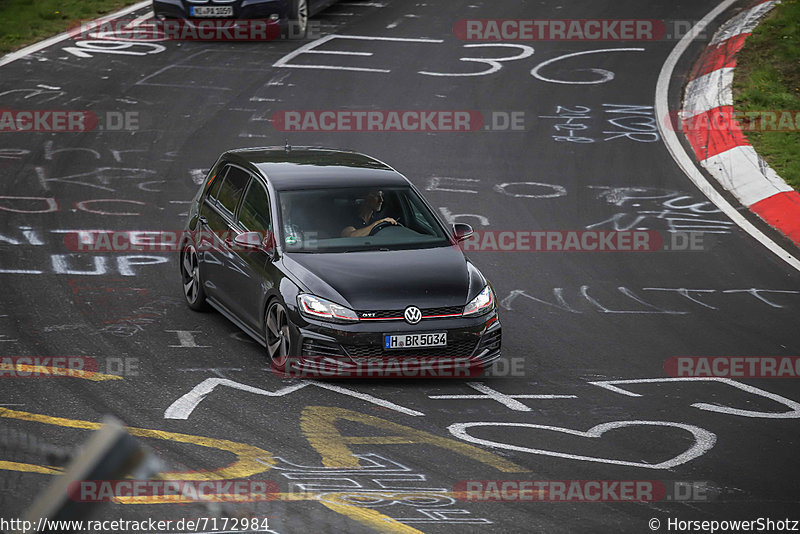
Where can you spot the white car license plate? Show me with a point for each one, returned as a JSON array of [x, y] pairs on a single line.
[[414, 341], [211, 11]]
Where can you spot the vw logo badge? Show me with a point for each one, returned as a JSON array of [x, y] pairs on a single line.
[[412, 315]]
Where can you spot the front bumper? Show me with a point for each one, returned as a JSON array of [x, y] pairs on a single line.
[[356, 350], [248, 9]]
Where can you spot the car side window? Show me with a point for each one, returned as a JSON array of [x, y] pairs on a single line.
[[216, 183], [255, 215], [418, 221], [232, 188]]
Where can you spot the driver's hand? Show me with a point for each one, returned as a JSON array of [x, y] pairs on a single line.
[[389, 220]]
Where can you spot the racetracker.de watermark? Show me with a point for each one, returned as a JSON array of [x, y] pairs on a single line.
[[559, 30], [581, 241], [563, 241], [96, 241], [85, 367], [47, 366], [164, 241], [733, 366], [726, 118], [585, 490], [377, 120], [529, 30], [178, 30], [173, 490], [47, 121], [560, 490], [67, 121], [385, 366]]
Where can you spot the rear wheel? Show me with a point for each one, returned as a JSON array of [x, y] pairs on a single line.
[[190, 275], [278, 335], [298, 19]]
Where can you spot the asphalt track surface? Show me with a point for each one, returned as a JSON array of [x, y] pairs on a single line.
[[195, 100]]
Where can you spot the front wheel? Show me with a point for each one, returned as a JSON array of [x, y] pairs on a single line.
[[298, 19], [278, 335], [190, 276]]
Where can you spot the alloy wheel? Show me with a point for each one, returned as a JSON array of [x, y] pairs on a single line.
[[278, 335]]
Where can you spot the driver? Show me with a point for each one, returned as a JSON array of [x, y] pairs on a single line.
[[364, 221]]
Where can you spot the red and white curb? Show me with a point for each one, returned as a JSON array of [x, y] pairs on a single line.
[[718, 142]]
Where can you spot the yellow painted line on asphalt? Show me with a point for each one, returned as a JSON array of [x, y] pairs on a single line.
[[42, 371], [27, 468], [366, 516], [371, 518], [337, 499], [318, 424], [181, 499], [221, 497], [250, 460]]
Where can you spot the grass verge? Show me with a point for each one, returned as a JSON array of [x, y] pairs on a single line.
[[23, 22], [767, 78]]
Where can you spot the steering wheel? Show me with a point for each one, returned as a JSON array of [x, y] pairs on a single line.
[[381, 225]]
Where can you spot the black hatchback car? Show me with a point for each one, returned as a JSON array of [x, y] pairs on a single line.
[[332, 260], [280, 11]]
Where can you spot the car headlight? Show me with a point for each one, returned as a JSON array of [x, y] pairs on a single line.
[[481, 304], [324, 310]]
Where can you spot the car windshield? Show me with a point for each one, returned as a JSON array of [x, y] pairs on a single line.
[[352, 220]]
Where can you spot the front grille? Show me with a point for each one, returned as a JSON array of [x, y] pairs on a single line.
[[398, 314], [447, 310], [322, 349], [458, 349]]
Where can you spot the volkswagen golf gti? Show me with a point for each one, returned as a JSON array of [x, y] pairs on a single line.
[[333, 260], [279, 11]]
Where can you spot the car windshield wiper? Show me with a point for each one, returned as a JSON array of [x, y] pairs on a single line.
[[382, 249]]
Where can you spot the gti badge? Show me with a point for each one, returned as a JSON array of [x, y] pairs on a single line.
[[412, 315]]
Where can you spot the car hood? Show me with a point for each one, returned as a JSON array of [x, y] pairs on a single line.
[[389, 280]]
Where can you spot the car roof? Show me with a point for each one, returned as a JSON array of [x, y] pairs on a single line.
[[314, 167]]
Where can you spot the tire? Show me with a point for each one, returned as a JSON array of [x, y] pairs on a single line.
[[278, 336], [193, 290], [298, 19]]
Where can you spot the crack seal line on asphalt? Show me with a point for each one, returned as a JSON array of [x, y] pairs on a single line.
[[680, 155]]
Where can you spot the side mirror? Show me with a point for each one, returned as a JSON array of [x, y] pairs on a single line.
[[462, 231], [252, 241]]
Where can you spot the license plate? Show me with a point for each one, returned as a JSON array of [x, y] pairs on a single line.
[[211, 11], [414, 341]]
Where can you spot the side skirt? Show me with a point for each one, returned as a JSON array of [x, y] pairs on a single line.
[[232, 318]]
